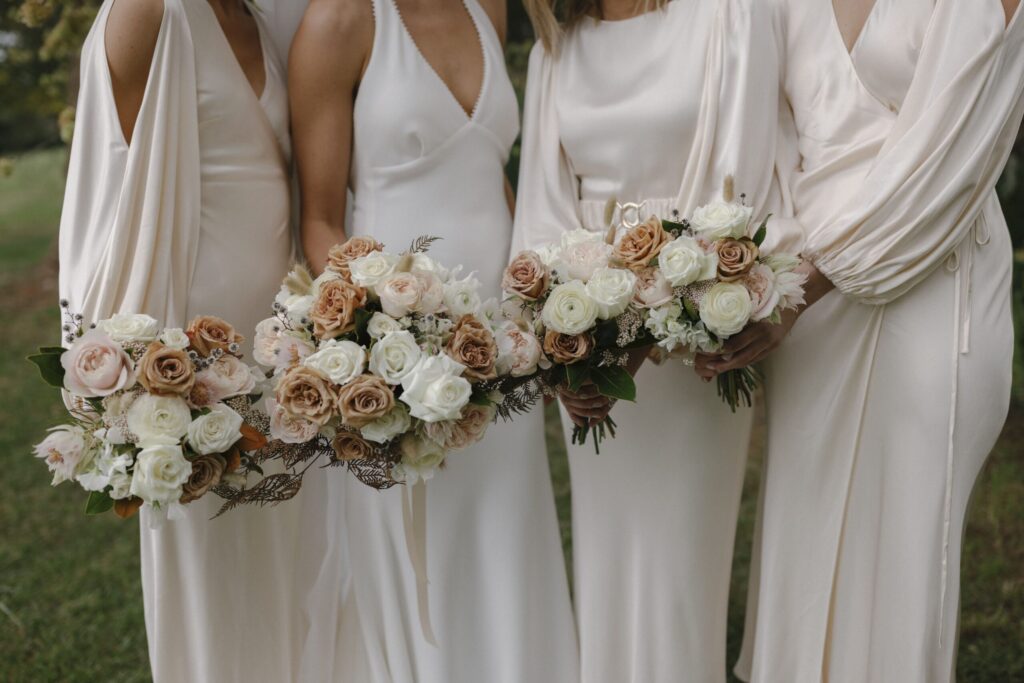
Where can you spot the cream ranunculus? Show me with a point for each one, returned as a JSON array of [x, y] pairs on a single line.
[[367, 271], [420, 459], [435, 389], [96, 365], [726, 308], [64, 449], [158, 419], [612, 290], [386, 428], [394, 356], [216, 431], [519, 351], [130, 327], [381, 324], [340, 361], [175, 338], [160, 472], [721, 219], [462, 297], [682, 261], [570, 309]]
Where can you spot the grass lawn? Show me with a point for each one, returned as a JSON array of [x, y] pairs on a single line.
[[70, 595]]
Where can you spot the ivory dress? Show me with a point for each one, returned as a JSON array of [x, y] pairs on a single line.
[[620, 114], [498, 592], [192, 218], [889, 393]]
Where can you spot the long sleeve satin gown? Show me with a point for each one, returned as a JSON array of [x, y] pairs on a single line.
[[889, 393], [191, 218], [498, 592], [629, 110]]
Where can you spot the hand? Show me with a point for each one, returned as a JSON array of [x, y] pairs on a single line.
[[746, 348], [586, 406]]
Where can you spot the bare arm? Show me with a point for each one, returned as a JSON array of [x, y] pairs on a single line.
[[327, 60], [497, 10], [130, 41]]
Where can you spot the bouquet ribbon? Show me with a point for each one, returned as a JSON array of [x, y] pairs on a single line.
[[414, 515]]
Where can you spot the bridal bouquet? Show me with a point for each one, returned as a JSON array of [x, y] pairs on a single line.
[[384, 363], [160, 417]]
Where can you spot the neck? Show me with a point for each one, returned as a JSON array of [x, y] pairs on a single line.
[[616, 10]]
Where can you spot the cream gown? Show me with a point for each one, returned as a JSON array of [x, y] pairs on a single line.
[[886, 398], [192, 218], [498, 592], [620, 113]]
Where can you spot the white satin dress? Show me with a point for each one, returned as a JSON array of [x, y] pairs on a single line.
[[888, 395], [498, 592], [192, 218], [621, 113]]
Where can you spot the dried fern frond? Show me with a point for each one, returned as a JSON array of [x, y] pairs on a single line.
[[270, 490], [422, 243]]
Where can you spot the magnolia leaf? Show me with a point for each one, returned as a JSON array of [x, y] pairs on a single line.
[[614, 382], [50, 368], [762, 231], [98, 503], [576, 375]]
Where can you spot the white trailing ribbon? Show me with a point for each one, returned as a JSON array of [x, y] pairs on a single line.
[[414, 516]]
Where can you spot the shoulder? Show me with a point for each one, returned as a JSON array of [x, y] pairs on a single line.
[[497, 11], [333, 21], [333, 38], [135, 18]]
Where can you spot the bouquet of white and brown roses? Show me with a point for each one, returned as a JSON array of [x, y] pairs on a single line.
[[384, 363], [160, 416]]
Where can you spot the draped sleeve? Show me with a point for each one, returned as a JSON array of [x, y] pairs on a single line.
[[938, 168], [130, 222], [546, 197]]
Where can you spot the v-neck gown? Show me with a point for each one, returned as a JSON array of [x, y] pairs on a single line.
[[889, 393], [498, 592], [193, 218]]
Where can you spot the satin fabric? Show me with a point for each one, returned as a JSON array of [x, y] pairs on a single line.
[[631, 109], [498, 591], [192, 218], [889, 393]]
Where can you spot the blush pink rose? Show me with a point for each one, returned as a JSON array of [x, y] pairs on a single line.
[[760, 282], [404, 293], [226, 377], [652, 289], [96, 365]]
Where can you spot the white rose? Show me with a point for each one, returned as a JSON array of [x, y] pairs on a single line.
[[578, 236], [367, 271], [721, 219], [127, 327], [424, 264], [420, 459], [174, 338], [434, 390], [682, 261], [519, 351], [549, 254], [579, 260], [726, 308], [340, 361], [380, 324], [160, 472], [64, 449], [159, 419], [288, 428], [569, 309], [394, 356], [462, 297], [384, 429], [296, 306], [216, 431], [264, 342], [612, 290]]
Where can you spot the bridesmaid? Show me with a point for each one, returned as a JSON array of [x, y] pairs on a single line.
[[177, 205], [407, 103], [888, 393], [618, 106]]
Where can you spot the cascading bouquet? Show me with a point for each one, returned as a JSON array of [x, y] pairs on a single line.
[[682, 286], [160, 417], [383, 364]]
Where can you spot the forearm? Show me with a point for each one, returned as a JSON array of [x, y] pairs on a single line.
[[318, 236]]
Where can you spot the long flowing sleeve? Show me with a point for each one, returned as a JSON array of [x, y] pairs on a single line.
[[546, 198], [938, 168], [130, 224]]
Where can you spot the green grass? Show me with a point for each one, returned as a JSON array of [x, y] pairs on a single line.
[[70, 595]]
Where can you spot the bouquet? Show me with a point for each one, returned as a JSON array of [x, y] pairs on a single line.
[[384, 363], [160, 417], [681, 286]]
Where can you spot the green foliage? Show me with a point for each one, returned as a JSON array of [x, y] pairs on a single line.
[[98, 503], [614, 382], [50, 368]]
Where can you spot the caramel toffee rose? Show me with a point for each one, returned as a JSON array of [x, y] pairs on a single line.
[[341, 255], [527, 276], [567, 348], [207, 333], [735, 257], [334, 311], [206, 473], [350, 446], [364, 399], [304, 392], [473, 345], [166, 371], [641, 244]]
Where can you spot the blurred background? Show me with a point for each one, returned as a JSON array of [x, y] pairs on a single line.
[[70, 595]]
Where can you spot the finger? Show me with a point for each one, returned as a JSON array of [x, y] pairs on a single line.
[[585, 404], [742, 360], [596, 413], [738, 342]]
